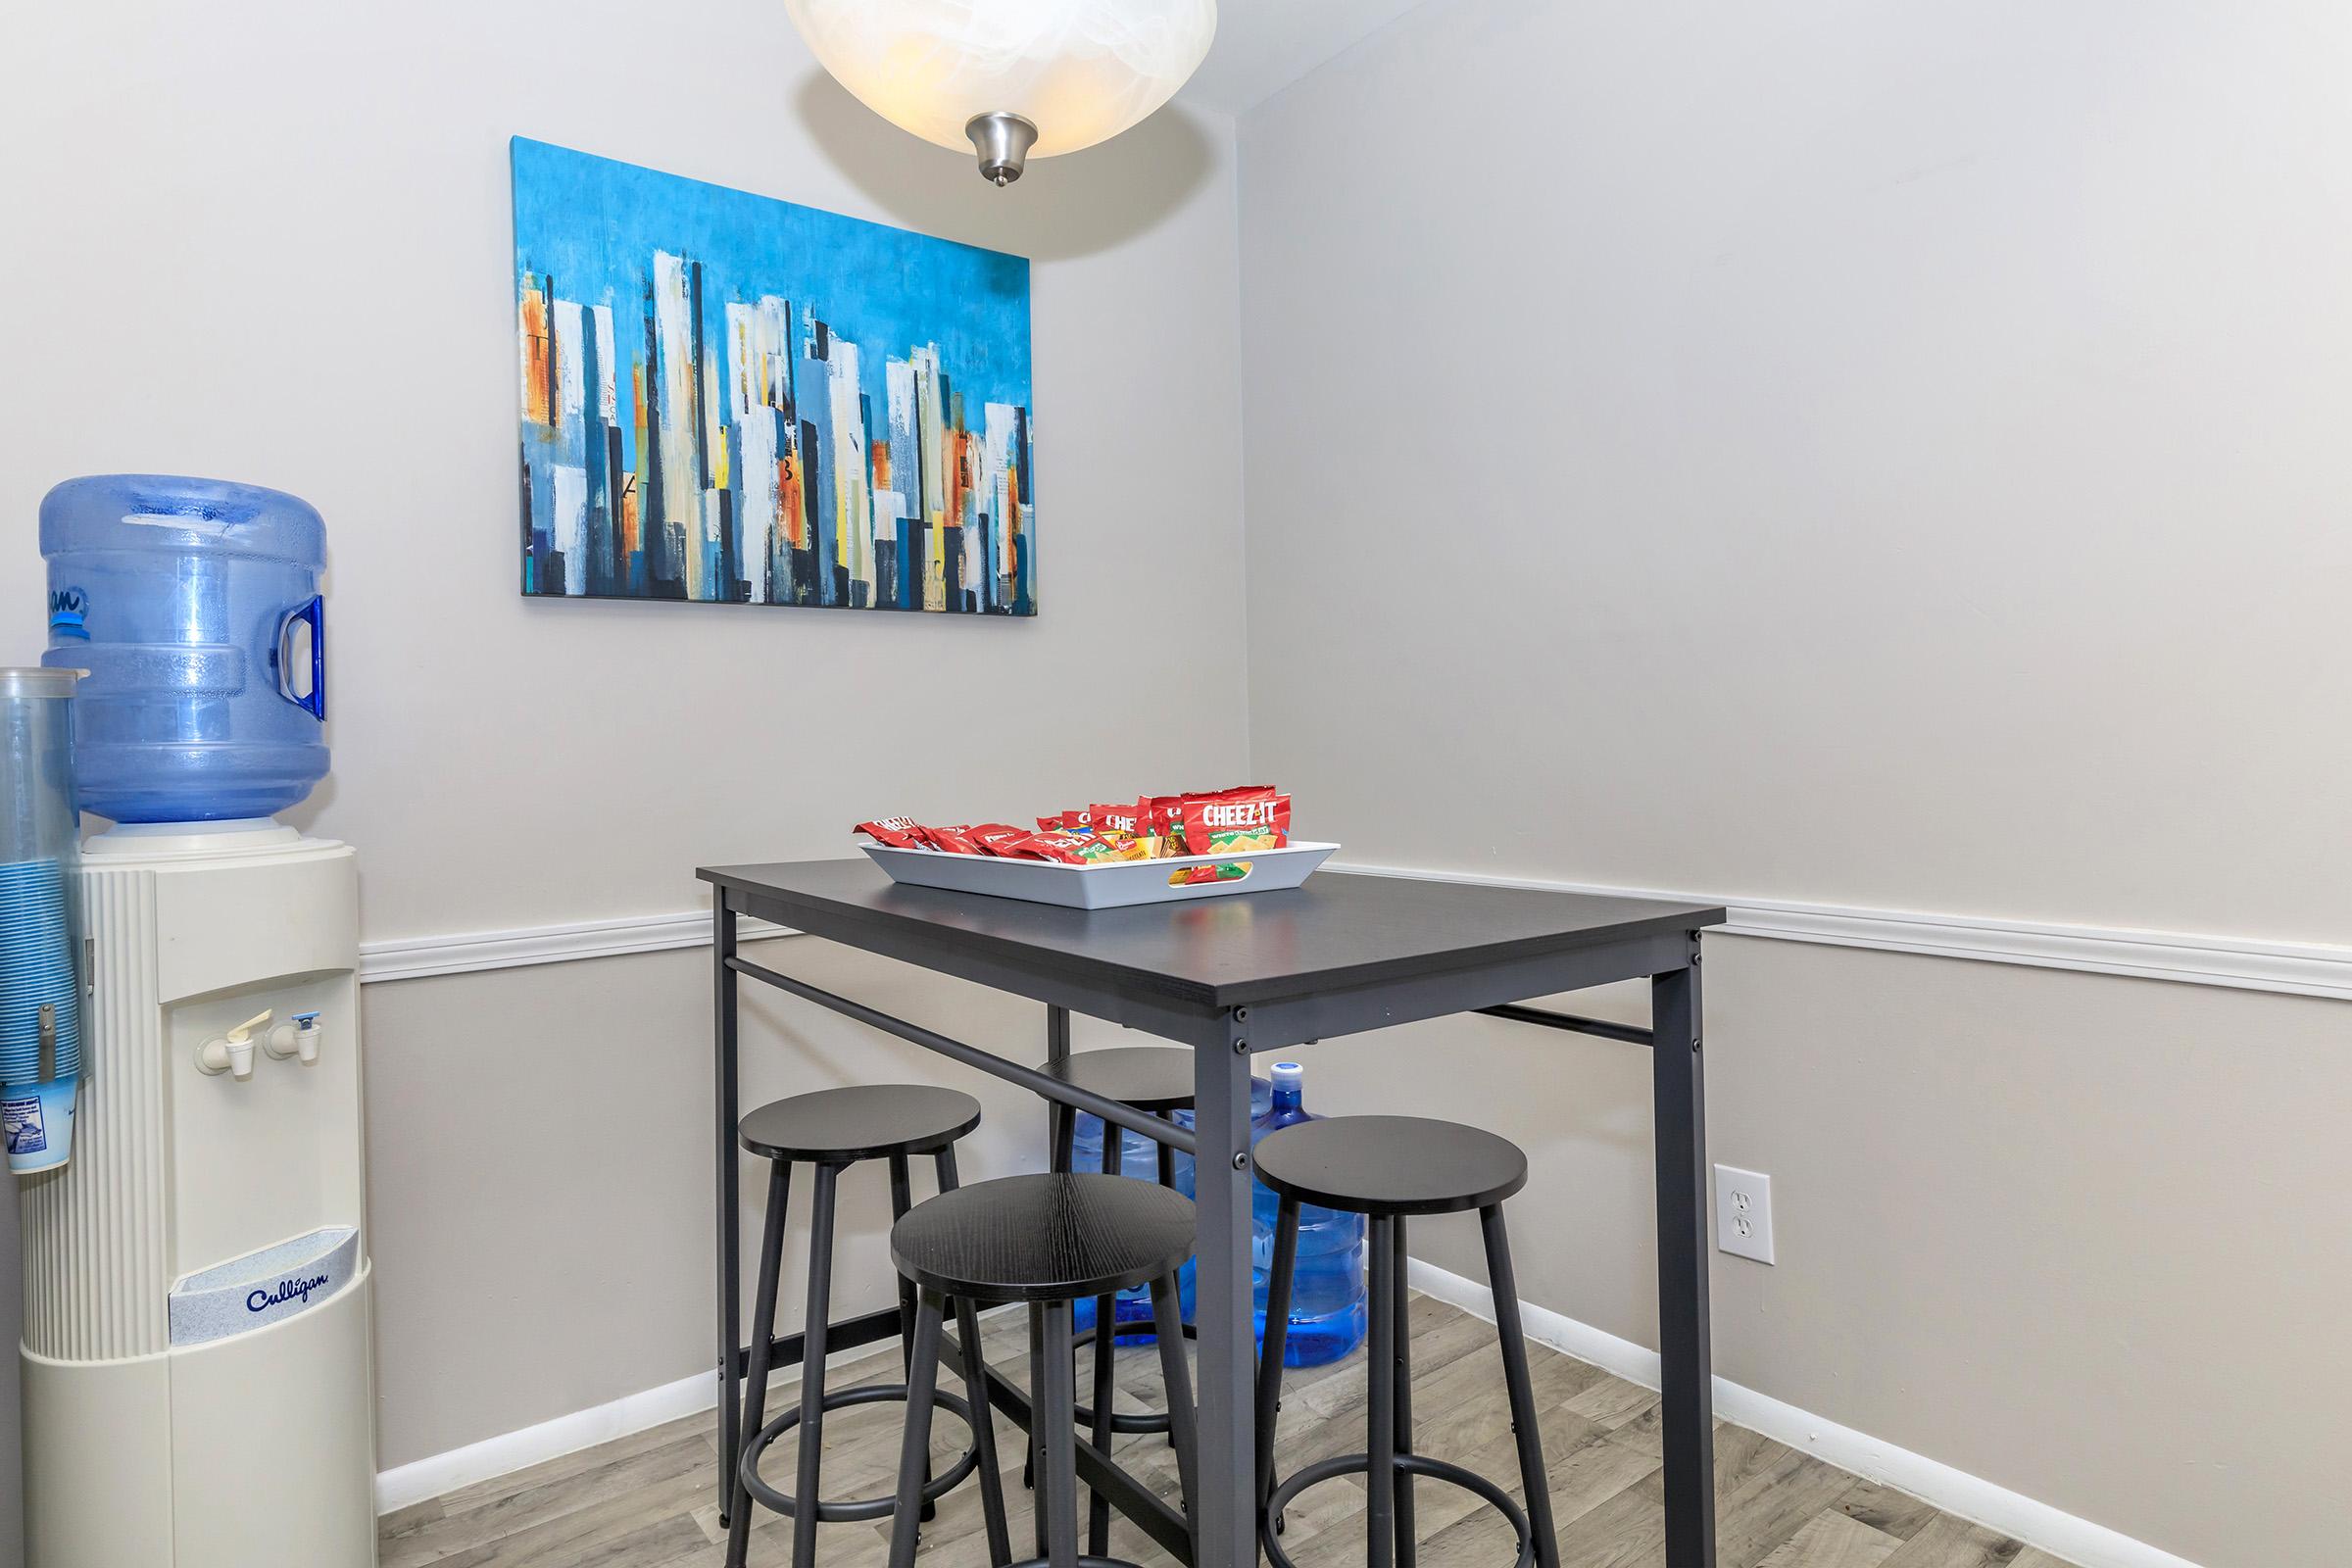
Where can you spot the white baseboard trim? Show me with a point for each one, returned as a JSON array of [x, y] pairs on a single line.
[[1955, 1492], [510, 1451], [466, 952], [443, 1473], [2242, 964]]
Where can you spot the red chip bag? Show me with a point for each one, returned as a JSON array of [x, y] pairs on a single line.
[[1057, 845], [899, 832], [1124, 819], [1252, 818], [997, 838], [954, 840]]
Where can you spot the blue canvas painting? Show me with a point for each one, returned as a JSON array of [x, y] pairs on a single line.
[[732, 399]]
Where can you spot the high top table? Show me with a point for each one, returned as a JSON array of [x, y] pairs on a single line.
[[1234, 977]]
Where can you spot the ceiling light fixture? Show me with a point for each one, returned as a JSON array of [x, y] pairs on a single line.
[[1009, 77]]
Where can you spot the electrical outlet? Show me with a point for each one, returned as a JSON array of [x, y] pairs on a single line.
[[1744, 1212]]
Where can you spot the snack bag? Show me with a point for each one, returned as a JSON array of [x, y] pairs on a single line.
[[953, 840], [1126, 821], [1150, 829], [1104, 847], [1186, 877], [997, 838], [1057, 845], [1166, 816], [899, 832], [1253, 816]]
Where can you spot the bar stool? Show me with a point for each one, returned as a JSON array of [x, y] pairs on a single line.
[[1156, 1080], [1387, 1168], [1047, 1240], [832, 1130]]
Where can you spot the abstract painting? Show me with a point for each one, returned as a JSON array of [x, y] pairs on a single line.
[[732, 399]]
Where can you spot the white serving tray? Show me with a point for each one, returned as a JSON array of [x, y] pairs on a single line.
[[1107, 886]]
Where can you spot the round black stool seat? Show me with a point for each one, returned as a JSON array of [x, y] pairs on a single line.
[[862, 1121], [1151, 1078], [1390, 1165], [1046, 1238]]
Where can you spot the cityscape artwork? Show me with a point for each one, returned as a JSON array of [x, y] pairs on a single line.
[[731, 399]]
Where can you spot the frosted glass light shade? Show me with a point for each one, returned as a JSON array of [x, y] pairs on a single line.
[[1080, 70]]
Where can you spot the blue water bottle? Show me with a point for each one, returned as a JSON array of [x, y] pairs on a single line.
[[1326, 1284], [192, 607], [1139, 1158]]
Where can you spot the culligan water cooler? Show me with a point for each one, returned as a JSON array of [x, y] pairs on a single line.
[[197, 1382]]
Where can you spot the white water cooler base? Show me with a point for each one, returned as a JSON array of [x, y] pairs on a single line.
[[192, 1457], [196, 1352]]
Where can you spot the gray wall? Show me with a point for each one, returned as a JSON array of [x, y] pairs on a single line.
[[275, 244], [540, 1163], [268, 242], [1881, 456]]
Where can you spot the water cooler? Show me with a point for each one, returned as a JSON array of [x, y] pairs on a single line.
[[197, 1382]]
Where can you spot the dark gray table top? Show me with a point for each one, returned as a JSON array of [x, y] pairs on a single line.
[[1339, 929]]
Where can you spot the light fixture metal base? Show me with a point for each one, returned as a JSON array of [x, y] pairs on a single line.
[[1003, 142]]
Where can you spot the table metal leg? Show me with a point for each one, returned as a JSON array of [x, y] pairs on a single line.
[[1060, 1121], [1687, 1374], [730, 1241], [1225, 1516]]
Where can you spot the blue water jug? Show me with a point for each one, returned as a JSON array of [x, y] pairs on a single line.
[[1327, 1282], [1139, 1156], [194, 605]]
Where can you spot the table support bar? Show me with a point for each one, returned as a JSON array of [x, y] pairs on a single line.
[[1631, 1034], [1029, 1078]]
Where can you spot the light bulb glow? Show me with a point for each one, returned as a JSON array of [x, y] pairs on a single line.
[[1081, 71]]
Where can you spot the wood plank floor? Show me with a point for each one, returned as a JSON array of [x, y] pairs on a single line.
[[649, 1501]]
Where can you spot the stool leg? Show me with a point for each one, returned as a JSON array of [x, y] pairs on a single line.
[[1269, 1361], [1402, 1334], [975, 1392], [1167, 1326], [1532, 1476], [1061, 1153], [764, 1339], [1041, 1382], [1106, 1309], [915, 1443], [901, 1198], [812, 1368], [1380, 1475], [1057, 1472]]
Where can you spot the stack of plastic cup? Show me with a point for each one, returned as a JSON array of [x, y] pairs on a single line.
[[40, 948]]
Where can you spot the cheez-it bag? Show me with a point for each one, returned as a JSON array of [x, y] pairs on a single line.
[[1252, 818]]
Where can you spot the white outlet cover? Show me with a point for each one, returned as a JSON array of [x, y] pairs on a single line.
[[1744, 1212]]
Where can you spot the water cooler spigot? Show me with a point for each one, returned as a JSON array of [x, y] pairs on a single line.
[[232, 1052], [298, 1036]]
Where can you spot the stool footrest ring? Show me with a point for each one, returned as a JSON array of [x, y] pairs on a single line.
[[834, 1513], [1407, 1463]]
